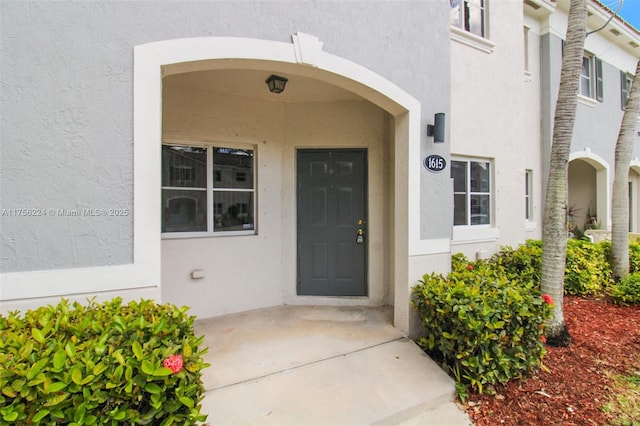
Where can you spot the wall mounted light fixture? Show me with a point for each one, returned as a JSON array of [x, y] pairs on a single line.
[[276, 83], [437, 128]]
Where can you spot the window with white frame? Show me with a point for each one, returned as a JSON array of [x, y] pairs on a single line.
[[468, 15], [625, 88], [471, 192], [528, 195], [207, 189], [526, 48], [591, 81]]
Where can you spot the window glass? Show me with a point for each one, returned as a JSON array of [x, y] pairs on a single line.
[[459, 209], [480, 210], [468, 15], [585, 77], [472, 192], [233, 168], [528, 207], [475, 11], [459, 175], [184, 166], [233, 211], [224, 203], [454, 14], [184, 210], [479, 177]]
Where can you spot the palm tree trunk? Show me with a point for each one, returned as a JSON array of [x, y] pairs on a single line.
[[620, 202], [554, 232]]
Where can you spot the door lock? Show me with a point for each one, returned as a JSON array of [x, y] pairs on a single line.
[[360, 236]]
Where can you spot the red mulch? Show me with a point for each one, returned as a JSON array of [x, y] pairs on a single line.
[[606, 338]]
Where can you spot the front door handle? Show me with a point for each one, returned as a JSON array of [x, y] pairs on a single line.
[[360, 236]]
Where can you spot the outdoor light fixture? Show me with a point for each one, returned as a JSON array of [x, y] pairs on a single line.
[[276, 83], [437, 128]]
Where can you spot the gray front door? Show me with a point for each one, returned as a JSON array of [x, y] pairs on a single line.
[[332, 240]]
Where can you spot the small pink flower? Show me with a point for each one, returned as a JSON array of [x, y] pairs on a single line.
[[174, 363], [469, 267], [547, 299], [543, 339]]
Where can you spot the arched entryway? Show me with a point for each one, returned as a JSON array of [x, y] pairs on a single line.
[[209, 95], [588, 201]]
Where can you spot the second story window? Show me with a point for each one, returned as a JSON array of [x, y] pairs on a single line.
[[625, 88], [468, 15], [591, 83]]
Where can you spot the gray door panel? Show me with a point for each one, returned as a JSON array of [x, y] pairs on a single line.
[[331, 208]]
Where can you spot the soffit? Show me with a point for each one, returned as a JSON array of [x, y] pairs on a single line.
[[251, 83]]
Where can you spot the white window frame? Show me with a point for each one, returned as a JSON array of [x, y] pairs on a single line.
[[463, 11], [468, 192], [594, 79], [528, 195], [527, 60], [211, 190]]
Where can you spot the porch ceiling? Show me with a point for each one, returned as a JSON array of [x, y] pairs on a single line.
[[251, 83]]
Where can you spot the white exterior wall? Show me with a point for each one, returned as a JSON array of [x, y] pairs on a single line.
[[248, 272], [489, 113], [532, 133], [92, 72]]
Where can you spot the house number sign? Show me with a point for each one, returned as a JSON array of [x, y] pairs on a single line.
[[435, 163]]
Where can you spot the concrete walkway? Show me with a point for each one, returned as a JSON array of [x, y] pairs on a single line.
[[305, 365]]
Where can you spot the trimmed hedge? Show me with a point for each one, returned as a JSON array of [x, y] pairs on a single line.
[[587, 271], [627, 291], [109, 363], [634, 257], [485, 329]]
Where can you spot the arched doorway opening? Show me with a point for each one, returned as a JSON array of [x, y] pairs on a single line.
[[588, 202], [210, 94]]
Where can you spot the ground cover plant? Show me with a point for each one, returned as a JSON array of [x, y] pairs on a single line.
[[108, 363]]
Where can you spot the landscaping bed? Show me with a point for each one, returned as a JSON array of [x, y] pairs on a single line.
[[578, 384]]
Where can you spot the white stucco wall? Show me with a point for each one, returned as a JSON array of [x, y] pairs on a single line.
[[489, 109], [73, 64]]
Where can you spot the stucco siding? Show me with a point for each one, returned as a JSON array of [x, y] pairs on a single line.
[[490, 113], [66, 109]]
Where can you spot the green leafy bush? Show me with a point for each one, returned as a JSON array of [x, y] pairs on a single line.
[[485, 329], [523, 263], [587, 269], [627, 291], [634, 257], [101, 364]]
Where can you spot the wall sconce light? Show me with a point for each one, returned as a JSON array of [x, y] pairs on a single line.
[[437, 128], [276, 83]]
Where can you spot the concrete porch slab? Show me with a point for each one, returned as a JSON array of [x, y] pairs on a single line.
[[306, 365]]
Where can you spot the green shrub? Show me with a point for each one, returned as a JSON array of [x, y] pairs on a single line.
[[523, 263], [485, 329], [627, 291], [100, 364], [587, 269], [634, 257]]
